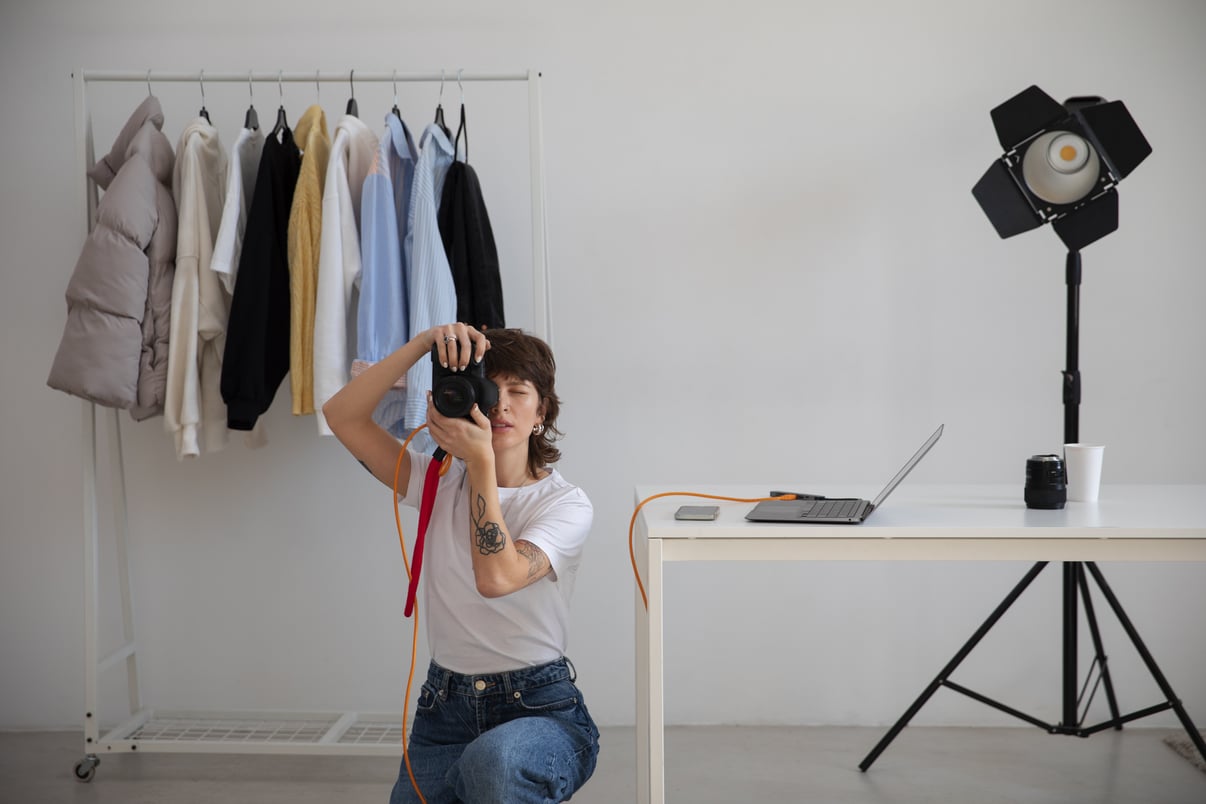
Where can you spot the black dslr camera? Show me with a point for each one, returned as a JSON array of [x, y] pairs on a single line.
[[455, 392]]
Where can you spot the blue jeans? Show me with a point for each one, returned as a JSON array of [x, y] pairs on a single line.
[[504, 738]]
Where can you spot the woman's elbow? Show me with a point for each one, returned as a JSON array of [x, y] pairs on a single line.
[[492, 586], [333, 416]]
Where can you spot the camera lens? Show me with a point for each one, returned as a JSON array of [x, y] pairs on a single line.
[[1045, 484], [453, 397]]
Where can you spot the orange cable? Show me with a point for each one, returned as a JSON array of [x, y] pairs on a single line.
[[632, 523], [414, 639]]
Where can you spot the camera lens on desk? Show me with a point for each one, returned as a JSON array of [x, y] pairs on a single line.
[[1046, 486]]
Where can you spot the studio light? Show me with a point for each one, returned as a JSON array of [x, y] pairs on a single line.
[[1062, 164]]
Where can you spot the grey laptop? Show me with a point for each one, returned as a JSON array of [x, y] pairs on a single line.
[[834, 510]]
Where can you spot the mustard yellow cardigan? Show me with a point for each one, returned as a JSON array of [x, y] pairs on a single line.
[[305, 226]]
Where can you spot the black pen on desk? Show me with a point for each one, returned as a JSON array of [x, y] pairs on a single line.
[[797, 495]]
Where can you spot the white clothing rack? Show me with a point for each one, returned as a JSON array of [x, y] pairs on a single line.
[[541, 293], [148, 730]]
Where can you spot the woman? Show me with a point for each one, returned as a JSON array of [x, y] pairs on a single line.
[[499, 718]]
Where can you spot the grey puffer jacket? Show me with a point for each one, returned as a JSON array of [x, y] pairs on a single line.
[[114, 349]]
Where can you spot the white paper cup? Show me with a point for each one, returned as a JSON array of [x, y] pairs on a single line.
[[1082, 462]]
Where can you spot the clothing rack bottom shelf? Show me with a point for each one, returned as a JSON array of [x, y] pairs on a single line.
[[225, 732]]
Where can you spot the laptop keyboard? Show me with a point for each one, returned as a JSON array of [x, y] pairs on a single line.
[[834, 509]]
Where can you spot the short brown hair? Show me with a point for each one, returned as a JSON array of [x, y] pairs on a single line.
[[518, 354]]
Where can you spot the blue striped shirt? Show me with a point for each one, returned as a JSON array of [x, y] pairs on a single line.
[[431, 291], [383, 310]]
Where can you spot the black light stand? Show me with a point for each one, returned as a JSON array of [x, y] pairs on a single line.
[[1013, 207], [1075, 591], [1072, 275]]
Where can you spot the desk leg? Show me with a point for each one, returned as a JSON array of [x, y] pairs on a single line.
[[650, 745]]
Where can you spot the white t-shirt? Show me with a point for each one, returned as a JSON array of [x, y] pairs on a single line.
[[471, 634]]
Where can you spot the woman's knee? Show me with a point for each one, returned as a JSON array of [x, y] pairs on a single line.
[[518, 762]]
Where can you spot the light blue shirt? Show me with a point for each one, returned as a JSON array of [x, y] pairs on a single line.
[[431, 291], [383, 311]]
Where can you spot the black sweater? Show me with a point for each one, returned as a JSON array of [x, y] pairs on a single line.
[[469, 244], [256, 359]]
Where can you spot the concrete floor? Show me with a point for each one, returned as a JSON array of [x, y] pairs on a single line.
[[705, 765]]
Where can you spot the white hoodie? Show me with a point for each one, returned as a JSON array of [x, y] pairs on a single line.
[[193, 408]]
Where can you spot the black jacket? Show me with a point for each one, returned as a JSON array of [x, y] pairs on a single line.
[[256, 358]]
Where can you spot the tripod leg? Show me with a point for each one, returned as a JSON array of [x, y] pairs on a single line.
[[1102, 662], [1072, 570], [1148, 660], [951, 665]]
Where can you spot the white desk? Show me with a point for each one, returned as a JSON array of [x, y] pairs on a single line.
[[918, 523]]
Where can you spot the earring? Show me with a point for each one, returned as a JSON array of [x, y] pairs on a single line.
[[538, 429]]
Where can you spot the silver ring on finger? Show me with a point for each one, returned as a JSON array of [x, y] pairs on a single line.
[[449, 339]]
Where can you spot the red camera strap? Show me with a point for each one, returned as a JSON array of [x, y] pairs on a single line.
[[431, 482]]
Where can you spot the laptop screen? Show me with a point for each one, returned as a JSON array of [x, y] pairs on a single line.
[[908, 467]]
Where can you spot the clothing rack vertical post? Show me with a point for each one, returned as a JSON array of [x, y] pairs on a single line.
[[147, 730]]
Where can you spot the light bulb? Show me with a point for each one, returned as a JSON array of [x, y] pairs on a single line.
[[1060, 167]]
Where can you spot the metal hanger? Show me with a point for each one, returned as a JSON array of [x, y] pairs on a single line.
[[281, 123], [353, 109], [203, 112], [439, 115], [463, 127], [251, 120], [395, 109]]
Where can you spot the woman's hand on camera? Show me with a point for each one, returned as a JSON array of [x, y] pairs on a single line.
[[458, 344], [470, 441]]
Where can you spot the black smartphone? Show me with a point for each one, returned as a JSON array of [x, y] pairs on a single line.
[[697, 512]]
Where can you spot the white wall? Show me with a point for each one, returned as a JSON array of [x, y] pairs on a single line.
[[761, 234]]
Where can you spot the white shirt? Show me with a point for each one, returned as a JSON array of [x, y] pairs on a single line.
[[339, 257], [471, 634], [240, 184]]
